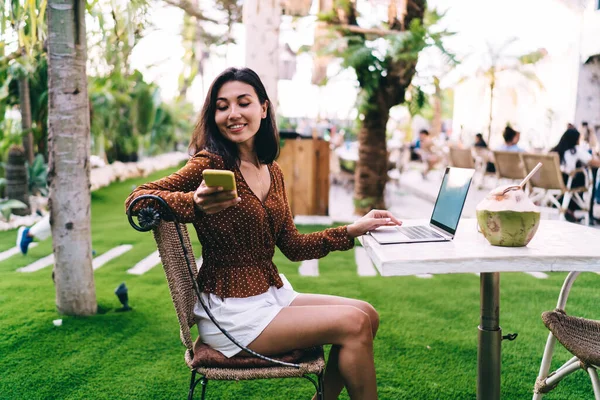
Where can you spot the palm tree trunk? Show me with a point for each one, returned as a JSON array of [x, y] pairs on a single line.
[[492, 85], [371, 169], [261, 20], [69, 169], [25, 106], [436, 124]]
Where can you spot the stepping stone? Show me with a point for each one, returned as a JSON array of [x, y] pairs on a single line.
[[309, 268], [39, 264], [96, 263], [11, 252], [363, 263], [538, 275], [109, 255], [145, 265], [424, 276]]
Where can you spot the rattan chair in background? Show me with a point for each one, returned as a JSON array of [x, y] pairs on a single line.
[[461, 158], [548, 186], [472, 158], [179, 264], [580, 336], [509, 166]]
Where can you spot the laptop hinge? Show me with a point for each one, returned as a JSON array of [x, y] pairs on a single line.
[[441, 231]]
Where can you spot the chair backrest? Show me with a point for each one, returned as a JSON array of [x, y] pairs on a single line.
[[483, 153], [461, 158], [509, 165], [549, 177], [180, 283]]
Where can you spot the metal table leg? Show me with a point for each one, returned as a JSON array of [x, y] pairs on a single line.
[[490, 339], [591, 210]]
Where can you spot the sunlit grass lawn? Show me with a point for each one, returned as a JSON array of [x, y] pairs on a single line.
[[426, 347]]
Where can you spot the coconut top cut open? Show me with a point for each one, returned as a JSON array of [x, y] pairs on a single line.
[[514, 200]]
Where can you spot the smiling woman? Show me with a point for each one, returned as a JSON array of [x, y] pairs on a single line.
[[239, 232]]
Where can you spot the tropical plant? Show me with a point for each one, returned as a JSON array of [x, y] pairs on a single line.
[[37, 176], [22, 25], [8, 205], [128, 115], [197, 40], [37, 86], [416, 102], [27, 22], [384, 60], [497, 64]]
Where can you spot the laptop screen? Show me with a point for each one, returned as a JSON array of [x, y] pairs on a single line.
[[451, 198]]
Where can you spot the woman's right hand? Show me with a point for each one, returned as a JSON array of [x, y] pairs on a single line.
[[212, 200]]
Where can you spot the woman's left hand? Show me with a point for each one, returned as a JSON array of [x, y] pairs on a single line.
[[374, 219]]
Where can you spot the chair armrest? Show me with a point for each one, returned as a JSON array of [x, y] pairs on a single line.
[[583, 170], [566, 288]]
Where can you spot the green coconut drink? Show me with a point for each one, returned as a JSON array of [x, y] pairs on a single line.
[[508, 219]]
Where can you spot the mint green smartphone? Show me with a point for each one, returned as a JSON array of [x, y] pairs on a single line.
[[219, 177]]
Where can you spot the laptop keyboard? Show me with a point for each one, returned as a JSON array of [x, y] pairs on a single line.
[[419, 232]]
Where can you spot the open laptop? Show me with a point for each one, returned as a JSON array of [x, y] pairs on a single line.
[[444, 219]]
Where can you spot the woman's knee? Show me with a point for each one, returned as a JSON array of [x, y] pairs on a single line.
[[356, 324], [372, 313]]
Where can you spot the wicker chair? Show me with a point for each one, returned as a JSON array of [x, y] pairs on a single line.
[[472, 158], [509, 165], [579, 336], [548, 185], [461, 158], [175, 251]]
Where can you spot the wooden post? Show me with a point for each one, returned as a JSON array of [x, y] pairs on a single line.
[[305, 166]]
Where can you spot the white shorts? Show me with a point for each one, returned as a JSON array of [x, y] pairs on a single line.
[[244, 318]]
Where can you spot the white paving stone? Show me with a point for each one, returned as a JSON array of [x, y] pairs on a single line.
[[309, 268], [11, 252], [109, 255], [538, 275], [424, 276], [39, 264], [145, 265], [363, 263]]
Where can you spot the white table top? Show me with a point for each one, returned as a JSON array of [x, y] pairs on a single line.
[[557, 246]]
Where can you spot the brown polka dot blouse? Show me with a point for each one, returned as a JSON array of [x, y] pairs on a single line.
[[238, 243]]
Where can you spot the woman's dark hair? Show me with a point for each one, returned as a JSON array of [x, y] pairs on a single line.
[[206, 134], [479, 141], [509, 134], [567, 142]]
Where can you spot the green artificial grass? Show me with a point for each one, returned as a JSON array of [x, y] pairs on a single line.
[[426, 347]]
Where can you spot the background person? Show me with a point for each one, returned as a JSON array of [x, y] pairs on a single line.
[[572, 156], [511, 140], [427, 151], [40, 230], [479, 142]]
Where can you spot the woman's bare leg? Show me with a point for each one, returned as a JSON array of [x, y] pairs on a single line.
[[308, 299], [344, 326], [334, 382]]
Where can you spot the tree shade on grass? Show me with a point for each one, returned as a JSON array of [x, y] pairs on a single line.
[[426, 347]]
